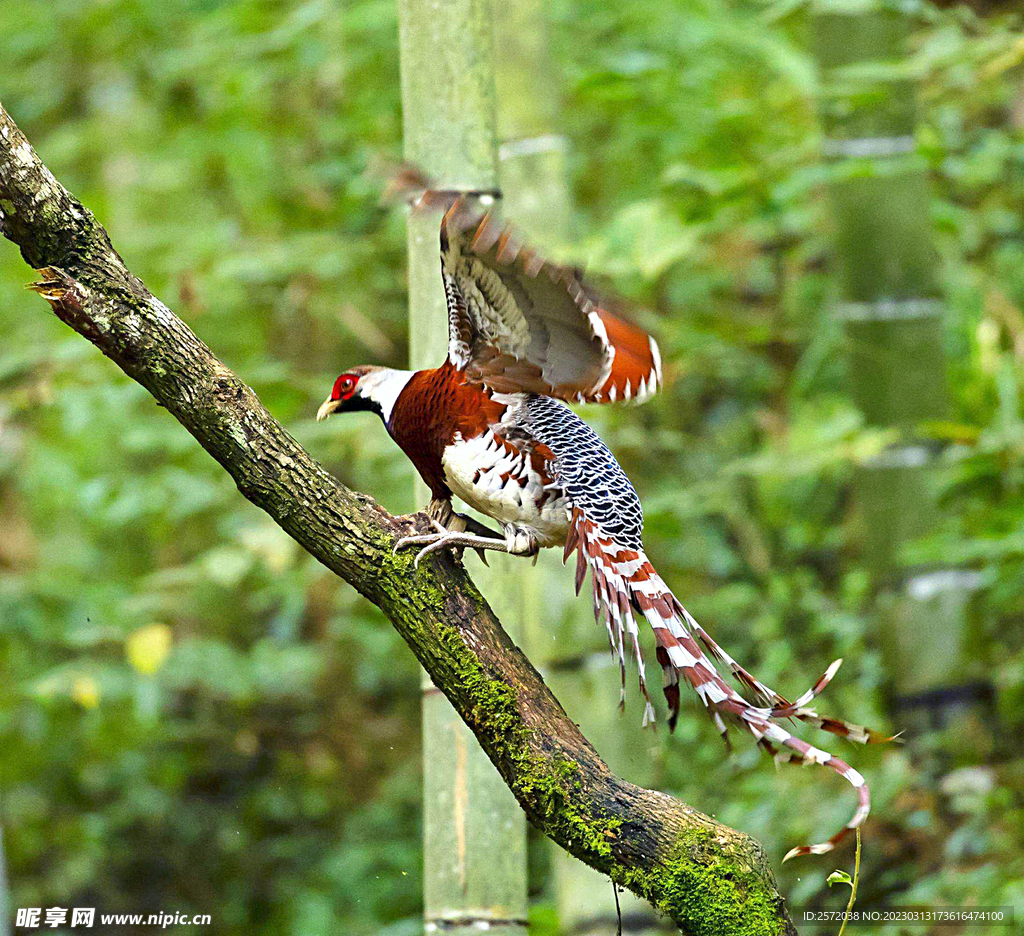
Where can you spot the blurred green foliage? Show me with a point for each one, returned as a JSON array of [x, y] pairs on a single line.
[[263, 765]]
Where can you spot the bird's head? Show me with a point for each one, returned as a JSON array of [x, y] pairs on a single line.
[[369, 388]]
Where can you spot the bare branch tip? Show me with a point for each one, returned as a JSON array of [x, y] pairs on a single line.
[[54, 285]]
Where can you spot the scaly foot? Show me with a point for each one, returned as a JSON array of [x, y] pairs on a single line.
[[448, 538]]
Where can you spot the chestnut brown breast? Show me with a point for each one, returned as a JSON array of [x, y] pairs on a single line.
[[434, 406]]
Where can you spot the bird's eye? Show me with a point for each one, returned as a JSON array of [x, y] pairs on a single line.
[[344, 387]]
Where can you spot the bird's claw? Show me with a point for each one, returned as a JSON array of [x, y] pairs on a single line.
[[433, 541], [417, 538], [453, 539], [439, 543]]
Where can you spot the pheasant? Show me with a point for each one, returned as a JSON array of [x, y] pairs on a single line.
[[489, 426]]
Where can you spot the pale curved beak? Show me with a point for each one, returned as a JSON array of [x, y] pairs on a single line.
[[326, 408]]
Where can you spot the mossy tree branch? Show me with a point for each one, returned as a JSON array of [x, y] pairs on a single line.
[[707, 877]]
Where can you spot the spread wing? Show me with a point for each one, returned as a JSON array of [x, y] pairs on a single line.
[[519, 323]]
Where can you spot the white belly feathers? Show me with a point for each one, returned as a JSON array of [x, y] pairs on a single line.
[[474, 468]]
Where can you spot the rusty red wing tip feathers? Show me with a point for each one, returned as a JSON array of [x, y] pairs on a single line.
[[611, 328], [469, 211]]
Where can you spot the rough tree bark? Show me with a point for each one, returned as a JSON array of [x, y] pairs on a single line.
[[708, 878]]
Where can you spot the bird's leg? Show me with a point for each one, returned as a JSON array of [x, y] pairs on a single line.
[[452, 540], [517, 541], [446, 521], [441, 511]]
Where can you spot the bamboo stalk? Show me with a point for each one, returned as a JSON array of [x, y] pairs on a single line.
[[891, 309], [474, 838], [559, 633]]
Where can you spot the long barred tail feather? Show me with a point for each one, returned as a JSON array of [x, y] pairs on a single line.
[[624, 582], [780, 707]]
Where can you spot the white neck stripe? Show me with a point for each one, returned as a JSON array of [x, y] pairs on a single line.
[[384, 387]]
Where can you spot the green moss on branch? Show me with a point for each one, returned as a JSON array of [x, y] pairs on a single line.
[[701, 885]]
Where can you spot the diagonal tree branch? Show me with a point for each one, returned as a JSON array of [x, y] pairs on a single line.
[[708, 878]]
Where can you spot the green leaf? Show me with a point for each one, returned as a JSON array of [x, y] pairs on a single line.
[[839, 877]]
